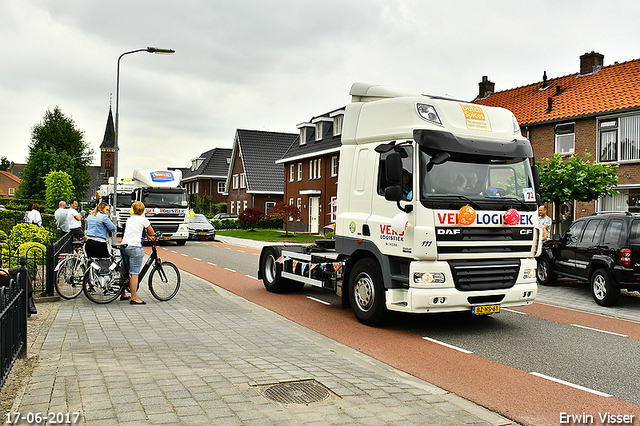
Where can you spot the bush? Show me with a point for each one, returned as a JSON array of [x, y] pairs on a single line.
[[3, 235], [27, 233]]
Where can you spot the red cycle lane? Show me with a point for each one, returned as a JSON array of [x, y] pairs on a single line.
[[513, 393]]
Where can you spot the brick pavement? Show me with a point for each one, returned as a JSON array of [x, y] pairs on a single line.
[[206, 356]]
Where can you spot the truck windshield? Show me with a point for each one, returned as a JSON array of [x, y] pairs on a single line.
[[482, 181], [124, 199], [165, 199]]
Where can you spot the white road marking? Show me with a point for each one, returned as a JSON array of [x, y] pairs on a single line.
[[601, 331], [515, 312], [573, 385], [249, 276], [447, 345], [318, 300], [230, 270]]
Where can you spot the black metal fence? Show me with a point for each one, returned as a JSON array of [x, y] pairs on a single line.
[[13, 321], [63, 245]]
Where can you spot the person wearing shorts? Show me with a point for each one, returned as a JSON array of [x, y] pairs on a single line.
[[136, 228], [75, 221]]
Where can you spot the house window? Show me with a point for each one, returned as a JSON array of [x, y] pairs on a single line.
[[244, 205], [565, 138], [268, 206], [303, 136], [619, 139], [290, 203], [319, 167], [299, 172], [291, 172], [319, 131], [299, 205], [221, 186], [12, 192], [333, 208], [310, 169], [243, 180], [232, 206], [235, 181], [337, 125], [334, 166]]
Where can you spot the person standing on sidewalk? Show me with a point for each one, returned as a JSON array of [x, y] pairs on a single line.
[[62, 220], [544, 222], [136, 227], [75, 221]]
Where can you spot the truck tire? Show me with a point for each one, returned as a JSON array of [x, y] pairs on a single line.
[[367, 294], [604, 292], [271, 273], [544, 273]]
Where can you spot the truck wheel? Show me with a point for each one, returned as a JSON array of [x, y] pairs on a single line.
[[366, 292], [602, 288], [544, 273], [271, 273]]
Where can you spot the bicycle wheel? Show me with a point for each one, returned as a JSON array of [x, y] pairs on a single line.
[[164, 281], [69, 277], [102, 286]]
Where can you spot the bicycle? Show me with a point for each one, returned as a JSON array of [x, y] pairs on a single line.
[[106, 278], [70, 271]]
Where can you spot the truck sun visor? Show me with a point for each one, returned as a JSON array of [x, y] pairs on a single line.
[[434, 141]]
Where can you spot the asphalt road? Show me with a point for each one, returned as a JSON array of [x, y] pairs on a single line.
[[578, 349]]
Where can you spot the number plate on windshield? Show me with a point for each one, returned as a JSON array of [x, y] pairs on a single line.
[[485, 310]]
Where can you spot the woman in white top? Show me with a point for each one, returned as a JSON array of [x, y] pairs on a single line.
[[136, 227], [33, 216]]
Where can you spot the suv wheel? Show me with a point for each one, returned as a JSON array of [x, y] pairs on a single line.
[[544, 273], [602, 288]]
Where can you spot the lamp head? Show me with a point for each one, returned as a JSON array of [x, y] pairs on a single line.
[[160, 51]]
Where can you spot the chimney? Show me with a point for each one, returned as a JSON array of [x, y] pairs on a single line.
[[591, 63], [486, 87], [545, 83]]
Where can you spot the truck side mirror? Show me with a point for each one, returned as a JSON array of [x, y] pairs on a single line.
[[393, 169], [393, 193], [536, 177]]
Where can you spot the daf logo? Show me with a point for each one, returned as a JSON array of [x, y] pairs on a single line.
[[526, 231], [448, 231]]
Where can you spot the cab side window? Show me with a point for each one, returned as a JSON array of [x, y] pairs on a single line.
[[612, 233], [573, 233], [592, 232], [406, 152]]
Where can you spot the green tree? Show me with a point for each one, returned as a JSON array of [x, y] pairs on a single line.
[[59, 187], [56, 145], [4, 163], [563, 181]]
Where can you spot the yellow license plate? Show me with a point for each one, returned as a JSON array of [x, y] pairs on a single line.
[[202, 233], [485, 310]]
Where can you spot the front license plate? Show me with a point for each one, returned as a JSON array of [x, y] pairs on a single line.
[[485, 310], [202, 233]]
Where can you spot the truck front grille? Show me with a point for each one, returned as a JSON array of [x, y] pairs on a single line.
[[472, 275], [458, 243]]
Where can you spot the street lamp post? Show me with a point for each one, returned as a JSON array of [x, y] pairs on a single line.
[[115, 154]]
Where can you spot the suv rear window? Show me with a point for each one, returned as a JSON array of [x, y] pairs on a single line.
[[592, 231], [612, 233], [634, 235]]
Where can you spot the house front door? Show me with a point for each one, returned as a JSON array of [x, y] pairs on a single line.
[[314, 214]]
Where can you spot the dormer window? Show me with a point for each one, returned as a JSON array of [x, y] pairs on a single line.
[[338, 119], [195, 163], [319, 131], [303, 136]]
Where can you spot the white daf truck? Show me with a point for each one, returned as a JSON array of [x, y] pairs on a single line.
[[124, 187], [166, 203], [436, 211]]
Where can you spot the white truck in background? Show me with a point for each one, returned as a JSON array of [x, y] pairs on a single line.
[[124, 187], [436, 211], [166, 203]]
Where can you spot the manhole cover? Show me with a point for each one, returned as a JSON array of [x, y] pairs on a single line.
[[298, 392]]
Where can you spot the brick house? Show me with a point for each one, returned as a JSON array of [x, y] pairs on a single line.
[[207, 175], [8, 184], [596, 110], [311, 171], [254, 180]]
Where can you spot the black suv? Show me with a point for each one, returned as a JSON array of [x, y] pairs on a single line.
[[603, 249]]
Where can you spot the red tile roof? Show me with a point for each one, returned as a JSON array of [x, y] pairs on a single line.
[[615, 88], [11, 176]]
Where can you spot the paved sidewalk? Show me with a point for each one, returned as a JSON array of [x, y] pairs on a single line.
[[210, 357]]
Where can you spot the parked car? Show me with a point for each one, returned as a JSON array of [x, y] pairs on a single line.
[[201, 229], [223, 216], [602, 249]]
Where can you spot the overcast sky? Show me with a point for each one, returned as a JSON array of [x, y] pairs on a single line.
[[269, 64]]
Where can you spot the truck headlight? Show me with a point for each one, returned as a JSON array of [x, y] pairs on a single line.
[[429, 113], [428, 277], [529, 274]]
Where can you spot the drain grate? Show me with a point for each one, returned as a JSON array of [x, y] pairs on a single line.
[[297, 392]]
